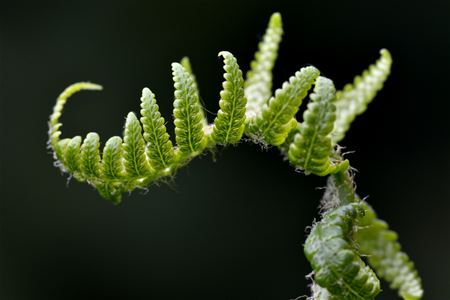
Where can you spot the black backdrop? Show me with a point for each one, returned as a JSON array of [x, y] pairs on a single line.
[[233, 228]]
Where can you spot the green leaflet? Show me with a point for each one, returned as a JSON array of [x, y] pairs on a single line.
[[278, 117], [353, 100], [312, 147], [189, 122], [135, 160], [337, 266], [159, 147], [72, 157], [112, 165], [90, 157], [258, 84], [385, 256], [229, 123]]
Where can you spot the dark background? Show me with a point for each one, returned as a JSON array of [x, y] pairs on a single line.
[[233, 228]]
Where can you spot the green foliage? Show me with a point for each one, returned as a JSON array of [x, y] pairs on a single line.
[[311, 148], [188, 113], [145, 154], [90, 156], [159, 147], [384, 254], [229, 124], [278, 117], [336, 263], [258, 84], [353, 100], [135, 160]]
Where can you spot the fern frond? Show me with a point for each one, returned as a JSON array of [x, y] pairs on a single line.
[[278, 117], [312, 147], [354, 98], [258, 83], [337, 266], [385, 256], [54, 125], [135, 160], [189, 122], [90, 157], [159, 147], [229, 124]]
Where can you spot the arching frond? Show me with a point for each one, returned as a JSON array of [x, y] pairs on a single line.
[[54, 125], [258, 84], [229, 124], [354, 98]]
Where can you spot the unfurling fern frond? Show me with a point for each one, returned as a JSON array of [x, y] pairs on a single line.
[[312, 147], [229, 124], [54, 125], [354, 98], [146, 153], [385, 256], [336, 263], [278, 117], [188, 114], [258, 84]]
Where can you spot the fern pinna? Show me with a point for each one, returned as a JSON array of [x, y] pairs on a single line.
[[348, 231]]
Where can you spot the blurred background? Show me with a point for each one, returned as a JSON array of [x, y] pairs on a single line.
[[231, 225]]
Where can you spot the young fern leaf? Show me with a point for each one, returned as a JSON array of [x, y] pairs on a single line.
[[229, 124], [189, 121], [278, 117], [385, 256], [354, 99], [312, 147], [336, 264], [159, 147], [258, 83], [54, 125], [90, 157], [135, 160]]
